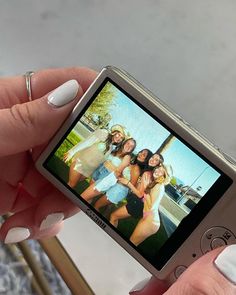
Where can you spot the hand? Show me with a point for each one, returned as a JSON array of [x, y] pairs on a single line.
[[37, 207], [212, 274], [117, 173], [123, 181], [146, 179], [66, 157]]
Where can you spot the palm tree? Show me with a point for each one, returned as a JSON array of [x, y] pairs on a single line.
[[166, 144]]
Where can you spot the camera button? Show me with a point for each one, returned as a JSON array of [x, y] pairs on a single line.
[[215, 237], [217, 242], [179, 270]]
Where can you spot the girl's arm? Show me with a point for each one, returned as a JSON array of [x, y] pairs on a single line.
[[135, 173], [153, 199], [97, 135], [126, 182], [145, 180], [125, 162]]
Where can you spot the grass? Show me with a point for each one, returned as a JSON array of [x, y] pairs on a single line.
[[71, 140]]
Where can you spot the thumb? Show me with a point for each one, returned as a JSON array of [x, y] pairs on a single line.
[[27, 125], [212, 274]]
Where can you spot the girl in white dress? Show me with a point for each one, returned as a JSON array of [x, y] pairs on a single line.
[[88, 155]]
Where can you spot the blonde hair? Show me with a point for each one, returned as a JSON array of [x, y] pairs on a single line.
[[165, 179]]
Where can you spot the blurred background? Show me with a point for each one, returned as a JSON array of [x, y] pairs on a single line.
[[183, 51]]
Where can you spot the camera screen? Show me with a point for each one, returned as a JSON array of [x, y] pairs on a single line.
[[136, 173]]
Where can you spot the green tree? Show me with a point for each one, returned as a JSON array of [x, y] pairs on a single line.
[[173, 181], [99, 109]]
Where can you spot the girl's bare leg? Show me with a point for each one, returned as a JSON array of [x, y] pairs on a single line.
[[103, 201], [74, 176], [144, 229], [91, 181], [120, 213], [90, 193]]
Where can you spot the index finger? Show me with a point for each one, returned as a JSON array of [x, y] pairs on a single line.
[[42, 82]]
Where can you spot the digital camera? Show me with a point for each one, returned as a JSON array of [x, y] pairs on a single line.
[[159, 188]]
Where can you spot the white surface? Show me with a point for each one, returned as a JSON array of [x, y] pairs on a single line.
[[184, 51], [107, 267]]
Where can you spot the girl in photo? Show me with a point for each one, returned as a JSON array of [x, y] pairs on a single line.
[[134, 206], [105, 176], [149, 224], [94, 150], [119, 191]]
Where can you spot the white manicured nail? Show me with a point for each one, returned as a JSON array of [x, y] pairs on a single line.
[[140, 285], [17, 234], [64, 93], [51, 220], [226, 263]]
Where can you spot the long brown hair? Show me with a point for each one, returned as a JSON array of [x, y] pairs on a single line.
[[151, 168], [108, 142]]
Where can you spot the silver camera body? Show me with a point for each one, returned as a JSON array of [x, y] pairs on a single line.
[[208, 224]]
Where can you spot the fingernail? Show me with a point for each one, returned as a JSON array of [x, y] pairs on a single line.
[[140, 285], [64, 93], [51, 220], [226, 263], [17, 234]]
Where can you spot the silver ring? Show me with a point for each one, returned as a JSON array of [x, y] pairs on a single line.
[[27, 76]]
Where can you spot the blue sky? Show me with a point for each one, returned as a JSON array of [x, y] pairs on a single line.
[[187, 166]]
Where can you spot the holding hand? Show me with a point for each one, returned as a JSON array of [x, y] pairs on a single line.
[[212, 274], [38, 208]]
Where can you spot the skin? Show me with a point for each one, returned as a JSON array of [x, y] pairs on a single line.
[[202, 277], [122, 213], [91, 192], [154, 160], [36, 122], [145, 227], [135, 173], [117, 137], [75, 176], [142, 155], [160, 171]]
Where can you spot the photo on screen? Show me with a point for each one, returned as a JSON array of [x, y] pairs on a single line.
[[131, 169]]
